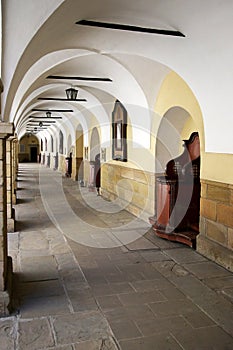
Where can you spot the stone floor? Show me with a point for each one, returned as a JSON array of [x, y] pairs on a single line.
[[91, 276]]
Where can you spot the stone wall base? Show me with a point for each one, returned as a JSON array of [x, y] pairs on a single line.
[[131, 208], [4, 302], [214, 251], [6, 297], [133, 188], [10, 225]]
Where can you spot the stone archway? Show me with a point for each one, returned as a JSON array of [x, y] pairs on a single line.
[[28, 148], [170, 135], [178, 190]]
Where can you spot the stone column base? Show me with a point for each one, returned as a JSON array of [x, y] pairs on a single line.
[[10, 225], [215, 252], [4, 304], [6, 300], [13, 199]]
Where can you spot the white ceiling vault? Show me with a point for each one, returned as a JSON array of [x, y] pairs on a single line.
[[41, 38]]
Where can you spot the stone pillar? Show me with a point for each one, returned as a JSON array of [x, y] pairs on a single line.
[[6, 130], [9, 183], [14, 146]]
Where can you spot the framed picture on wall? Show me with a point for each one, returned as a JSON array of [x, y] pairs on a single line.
[[119, 132]]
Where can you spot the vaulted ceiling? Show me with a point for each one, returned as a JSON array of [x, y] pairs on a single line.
[[128, 61]]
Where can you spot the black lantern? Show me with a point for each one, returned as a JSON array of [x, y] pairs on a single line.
[[71, 94], [48, 114]]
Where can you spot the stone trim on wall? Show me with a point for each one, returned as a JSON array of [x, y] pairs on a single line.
[[6, 130], [134, 188], [216, 222]]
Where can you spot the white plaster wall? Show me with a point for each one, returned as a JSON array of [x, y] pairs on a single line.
[[203, 59]]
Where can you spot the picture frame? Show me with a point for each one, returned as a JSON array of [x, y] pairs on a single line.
[[119, 132]]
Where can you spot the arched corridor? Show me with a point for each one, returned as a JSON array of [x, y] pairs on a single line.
[[116, 147], [130, 296]]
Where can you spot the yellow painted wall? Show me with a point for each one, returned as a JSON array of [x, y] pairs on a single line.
[[214, 166], [27, 142], [175, 92], [189, 127], [79, 144], [217, 167], [62, 163]]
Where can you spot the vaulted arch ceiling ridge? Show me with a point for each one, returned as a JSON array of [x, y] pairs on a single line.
[[27, 103], [130, 92], [139, 66], [28, 112], [53, 131], [94, 105], [114, 89], [203, 59], [18, 18], [94, 117], [23, 120], [34, 72], [32, 101]]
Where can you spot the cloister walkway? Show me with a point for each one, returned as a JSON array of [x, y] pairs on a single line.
[[90, 276]]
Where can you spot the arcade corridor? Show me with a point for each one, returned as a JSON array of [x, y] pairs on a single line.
[[147, 294]]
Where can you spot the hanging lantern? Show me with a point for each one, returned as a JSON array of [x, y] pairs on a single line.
[[71, 94]]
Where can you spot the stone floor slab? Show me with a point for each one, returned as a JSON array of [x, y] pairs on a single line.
[[219, 283], [103, 344], [7, 334], [34, 240], [108, 302], [173, 293], [192, 287], [112, 288], [160, 295], [153, 255], [207, 269], [125, 329], [35, 334], [170, 268], [156, 325], [171, 308], [80, 327], [219, 309], [38, 307], [40, 289], [141, 298], [66, 347], [140, 244], [150, 285], [163, 341], [228, 292], [132, 312], [206, 338], [198, 319], [184, 255], [38, 268]]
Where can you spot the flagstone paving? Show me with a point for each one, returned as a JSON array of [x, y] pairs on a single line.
[[90, 276]]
